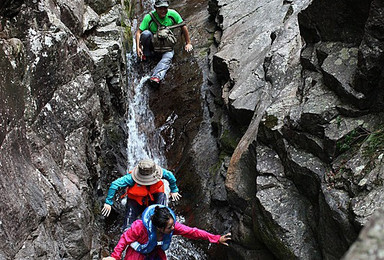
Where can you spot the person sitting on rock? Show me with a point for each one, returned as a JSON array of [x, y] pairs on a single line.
[[151, 236], [144, 187], [147, 46]]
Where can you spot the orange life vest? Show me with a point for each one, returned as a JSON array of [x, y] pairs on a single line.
[[142, 193]]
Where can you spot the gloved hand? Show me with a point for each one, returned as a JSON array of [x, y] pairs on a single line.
[[175, 196], [106, 211]]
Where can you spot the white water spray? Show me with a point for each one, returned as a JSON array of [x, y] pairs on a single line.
[[144, 140]]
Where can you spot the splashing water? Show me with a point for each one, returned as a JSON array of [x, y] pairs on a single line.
[[144, 140], [183, 249]]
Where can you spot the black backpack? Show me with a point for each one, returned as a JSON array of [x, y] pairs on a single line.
[[164, 39]]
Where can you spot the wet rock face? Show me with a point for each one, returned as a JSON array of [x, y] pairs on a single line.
[[312, 148], [177, 108], [12, 60], [370, 240], [52, 89]]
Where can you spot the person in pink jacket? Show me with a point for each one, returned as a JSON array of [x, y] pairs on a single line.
[[149, 237]]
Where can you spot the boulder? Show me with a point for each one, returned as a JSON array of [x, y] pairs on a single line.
[[369, 244], [282, 220]]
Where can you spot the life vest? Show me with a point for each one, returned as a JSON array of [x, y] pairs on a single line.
[[142, 194], [151, 229]]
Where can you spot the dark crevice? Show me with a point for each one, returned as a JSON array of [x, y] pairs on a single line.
[[338, 21]]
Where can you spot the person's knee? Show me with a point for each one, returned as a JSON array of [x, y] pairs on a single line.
[[146, 35], [166, 59], [168, 55]]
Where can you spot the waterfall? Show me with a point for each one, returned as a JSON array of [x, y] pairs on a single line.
[[145, 141]]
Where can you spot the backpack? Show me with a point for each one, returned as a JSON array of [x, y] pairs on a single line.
[[164, 39]]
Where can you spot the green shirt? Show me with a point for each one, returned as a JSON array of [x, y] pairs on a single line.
[[172, 17]]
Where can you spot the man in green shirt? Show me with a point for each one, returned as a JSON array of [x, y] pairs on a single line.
[[148, 28]]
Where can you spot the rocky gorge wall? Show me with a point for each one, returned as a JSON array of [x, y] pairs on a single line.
[[62, 73], [301, 131]]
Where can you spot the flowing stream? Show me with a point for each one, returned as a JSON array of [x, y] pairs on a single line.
[[145, 141]]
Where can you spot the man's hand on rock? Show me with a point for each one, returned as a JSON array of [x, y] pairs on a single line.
[[139, 52], [188, 47]]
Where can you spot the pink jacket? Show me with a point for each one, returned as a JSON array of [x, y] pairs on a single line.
[[138, 233]]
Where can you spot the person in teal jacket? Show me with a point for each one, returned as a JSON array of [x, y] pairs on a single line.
[[144, 187]]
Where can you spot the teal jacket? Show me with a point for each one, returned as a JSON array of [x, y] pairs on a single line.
[[127, 180]]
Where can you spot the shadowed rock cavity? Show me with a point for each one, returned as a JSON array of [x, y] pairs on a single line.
[[352, 33]]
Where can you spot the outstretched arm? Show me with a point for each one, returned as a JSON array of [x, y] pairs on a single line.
[[188, 45], [195, 233], [124, 181], [168, 175], [175, 196]]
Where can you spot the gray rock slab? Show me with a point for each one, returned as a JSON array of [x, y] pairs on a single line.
[[370, 242], [338, 69], [283, 218]]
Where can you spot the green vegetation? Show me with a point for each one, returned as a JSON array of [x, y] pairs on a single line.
[[129, 9], [338, 121], [346, 143], [214, 169], [369, 144], [375, 144], [270, 121], [205, 47], [203, 53], [127, 34], [228, 142]]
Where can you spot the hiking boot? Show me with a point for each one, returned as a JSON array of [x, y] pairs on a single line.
[[154, 82]]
